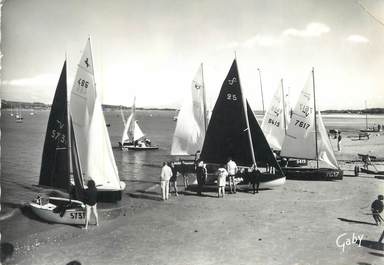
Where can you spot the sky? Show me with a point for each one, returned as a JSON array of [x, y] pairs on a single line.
[[152, 49]]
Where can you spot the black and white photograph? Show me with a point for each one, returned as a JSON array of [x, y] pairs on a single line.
[[205, 132]]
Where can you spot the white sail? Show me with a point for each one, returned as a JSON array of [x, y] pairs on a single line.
[[326, 153], [274, 123], [190, 128], [132, 131], [300, 141], [94, 146]]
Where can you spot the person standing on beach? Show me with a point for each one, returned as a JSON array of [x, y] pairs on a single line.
[[183, 172], [221, 179], [165, 176], [173, 180], [377, 207], [90, 203], [338, 142], [201, 174], [232, 169], [254, 178]]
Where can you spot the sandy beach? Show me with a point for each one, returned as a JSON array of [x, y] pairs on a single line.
[[301, 222]]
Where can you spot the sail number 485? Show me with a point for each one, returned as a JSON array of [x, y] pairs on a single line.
[[83, 85], [302, 124]]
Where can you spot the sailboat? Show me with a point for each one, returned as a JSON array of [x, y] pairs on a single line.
[[307, 138], [233, 131], [94, 147], [367, 128], [191, 123], [275, 121], [60, 164], [133, 137], [19, 117]]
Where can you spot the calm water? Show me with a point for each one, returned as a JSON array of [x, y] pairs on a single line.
[[22, 145]]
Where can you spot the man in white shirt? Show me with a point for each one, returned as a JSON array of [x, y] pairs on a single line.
[[232, 169], [166, 174]]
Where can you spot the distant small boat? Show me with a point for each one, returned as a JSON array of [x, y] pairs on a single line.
[[133, 137]]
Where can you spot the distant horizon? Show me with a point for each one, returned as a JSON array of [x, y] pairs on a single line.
[[381, 109]]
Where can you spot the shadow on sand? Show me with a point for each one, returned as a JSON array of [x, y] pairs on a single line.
[[7, 250], [356, 222], [73, 262], [376, 254], [148, 195], [371, 244]]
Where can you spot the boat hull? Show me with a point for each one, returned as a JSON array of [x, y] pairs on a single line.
[[367, 171], [109, 195], [312, 173], [142, 148], [51, 212]]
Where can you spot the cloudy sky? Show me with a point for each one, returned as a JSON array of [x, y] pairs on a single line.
[[152, 48]]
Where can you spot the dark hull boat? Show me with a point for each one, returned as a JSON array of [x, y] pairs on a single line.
[[307, 138], [233, 131]]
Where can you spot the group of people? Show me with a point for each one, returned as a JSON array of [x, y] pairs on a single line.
[[168, 177]]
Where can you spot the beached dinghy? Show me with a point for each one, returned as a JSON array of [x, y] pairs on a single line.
[[95, 151], [133, 137], [60, 164], [233, 131], [307, 138], [59, 210]]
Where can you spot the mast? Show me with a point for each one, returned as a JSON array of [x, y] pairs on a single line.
[[261, 88], [314, 106], [69, 138], [246, 116], [204, 99], [283, 97], [366, 115]]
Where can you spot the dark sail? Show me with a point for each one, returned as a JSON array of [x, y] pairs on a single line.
[[54, 166], [227, 134], [76, 168]]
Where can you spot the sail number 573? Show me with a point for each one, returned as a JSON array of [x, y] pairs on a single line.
[[302, 124]]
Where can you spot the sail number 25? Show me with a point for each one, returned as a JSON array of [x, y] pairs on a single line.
[[83, 85], [231, 97], [302, 124]]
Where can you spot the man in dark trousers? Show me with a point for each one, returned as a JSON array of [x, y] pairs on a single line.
[[201, 174], [377, 207]]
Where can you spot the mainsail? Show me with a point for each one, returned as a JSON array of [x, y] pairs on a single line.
[[191, 122], [300, 141], [94, 146], [228, 135], [54, 170], [275, 120], [132, 131]]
